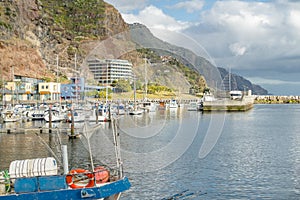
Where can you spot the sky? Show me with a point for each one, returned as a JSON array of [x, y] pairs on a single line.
[[257, 39]]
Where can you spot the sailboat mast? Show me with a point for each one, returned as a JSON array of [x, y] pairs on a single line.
[[134, 92], [76, 81], [13, 89], [145, 78], [229, 79], [106, 96], [2, 86]]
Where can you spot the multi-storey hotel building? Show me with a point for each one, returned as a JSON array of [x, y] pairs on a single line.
[[109, 70]]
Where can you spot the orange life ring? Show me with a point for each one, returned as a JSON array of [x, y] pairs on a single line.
[[74, 172], [101, 174]]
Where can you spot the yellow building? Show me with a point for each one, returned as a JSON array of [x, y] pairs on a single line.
[[49, 91], [17, 91]]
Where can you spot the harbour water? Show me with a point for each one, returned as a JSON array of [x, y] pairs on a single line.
[[254, 155]]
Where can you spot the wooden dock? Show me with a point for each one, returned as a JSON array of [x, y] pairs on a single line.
[[33, 130]]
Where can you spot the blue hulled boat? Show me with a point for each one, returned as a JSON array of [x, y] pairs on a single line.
[[38, 179]]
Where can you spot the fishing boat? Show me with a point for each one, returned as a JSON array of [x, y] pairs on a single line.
[[38, 179]]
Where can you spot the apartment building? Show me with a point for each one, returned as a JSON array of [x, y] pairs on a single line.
[[109, 70]]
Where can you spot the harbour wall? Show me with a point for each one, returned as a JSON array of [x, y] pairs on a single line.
[[271, 99]]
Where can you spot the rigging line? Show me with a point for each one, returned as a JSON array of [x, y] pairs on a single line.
[[49, 149]]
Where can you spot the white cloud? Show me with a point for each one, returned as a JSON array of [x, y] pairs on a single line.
[[126, 6], [237, 49], [259, 80], [249, 36], [154, 17], [260, 34], [190, 6]]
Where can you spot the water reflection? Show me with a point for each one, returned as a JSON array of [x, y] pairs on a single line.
[[256, 157]]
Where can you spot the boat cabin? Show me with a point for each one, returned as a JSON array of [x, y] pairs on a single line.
[[236, 95]]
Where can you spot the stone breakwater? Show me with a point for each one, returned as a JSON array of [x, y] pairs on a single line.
[[276, 99]]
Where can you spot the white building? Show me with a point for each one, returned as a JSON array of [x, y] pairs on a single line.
[[109, 70], [49, 91]]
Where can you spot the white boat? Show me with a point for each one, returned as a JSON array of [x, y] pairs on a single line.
[[236, 95], [56, 116], [81, 115], [38, 113], [173, 104], [11, 116], [135, 112], [149, 106], [208, 97], [193, 106]]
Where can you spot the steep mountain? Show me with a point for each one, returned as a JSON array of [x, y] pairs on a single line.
[[42, 38], [34, 33], [142, 36], [239, 83]]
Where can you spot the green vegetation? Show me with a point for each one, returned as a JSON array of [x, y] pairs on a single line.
[[5, 25], [102, 94], [76, 17], [149, 54], [156, 88], [195, 79], [122, 86]]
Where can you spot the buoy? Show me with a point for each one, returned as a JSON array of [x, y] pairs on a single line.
[[74, 180], [101, 175]]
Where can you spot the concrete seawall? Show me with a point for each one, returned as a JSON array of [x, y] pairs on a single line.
[[270, 99]]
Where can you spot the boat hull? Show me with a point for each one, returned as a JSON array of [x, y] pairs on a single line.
[[106, 191]]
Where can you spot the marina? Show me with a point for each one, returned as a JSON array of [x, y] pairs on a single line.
[[163, 147]]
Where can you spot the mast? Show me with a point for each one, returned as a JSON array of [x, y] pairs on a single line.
[[2, 86], [229, 79], [12, 88], [134, 92], [106, 95], [57, 74], [145, 78], [76, 81]]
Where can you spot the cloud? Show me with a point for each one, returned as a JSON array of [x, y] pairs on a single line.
[[265, 81], [126, 6], [189, 6], [155, 18], [259, 37], [251, 35], [237, 49]]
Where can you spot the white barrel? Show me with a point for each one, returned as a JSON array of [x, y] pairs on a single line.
[[33, 167]]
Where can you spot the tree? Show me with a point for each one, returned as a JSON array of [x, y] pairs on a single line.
[[123, 86]]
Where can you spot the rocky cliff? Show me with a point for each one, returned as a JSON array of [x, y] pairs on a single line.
[[45, 38], [34, 33]]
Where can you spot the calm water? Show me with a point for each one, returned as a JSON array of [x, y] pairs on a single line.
[[255, 155]]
